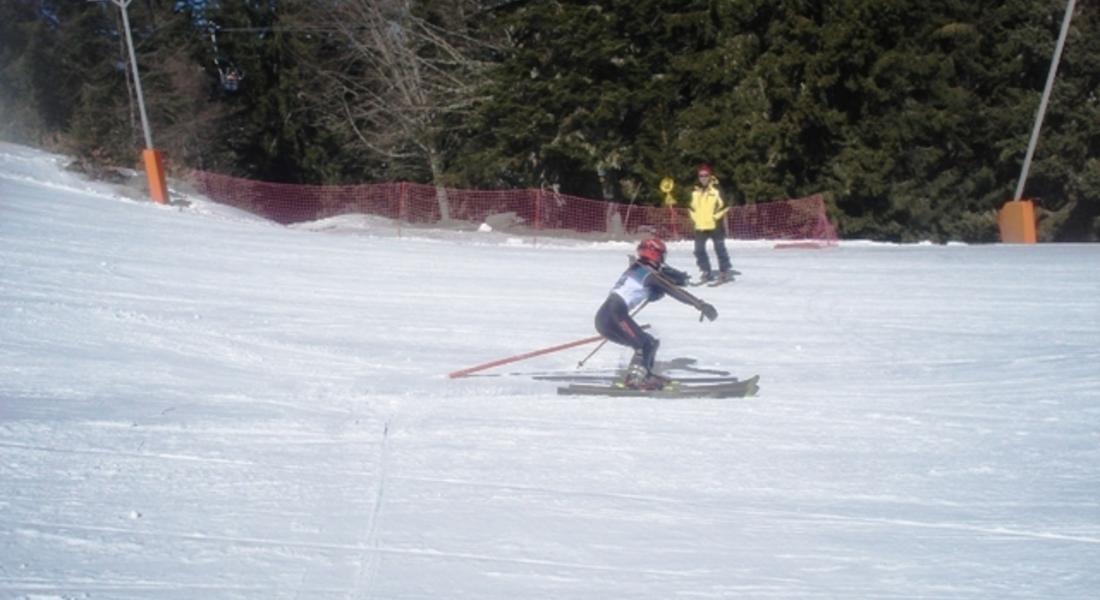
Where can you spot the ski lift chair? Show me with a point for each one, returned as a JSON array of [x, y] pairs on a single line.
[[230, 78]]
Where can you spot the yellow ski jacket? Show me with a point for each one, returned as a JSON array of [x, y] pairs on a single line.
[[707, 206]]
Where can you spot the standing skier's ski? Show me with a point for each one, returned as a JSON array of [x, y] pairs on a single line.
[[724, 278], [720, 280], [728, 389]]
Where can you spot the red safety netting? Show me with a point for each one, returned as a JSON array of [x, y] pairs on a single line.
[[534, 211]]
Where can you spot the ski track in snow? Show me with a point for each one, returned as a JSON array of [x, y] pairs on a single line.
[[196, 403]]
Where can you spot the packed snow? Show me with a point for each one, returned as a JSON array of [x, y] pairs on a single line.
[[197, 403]]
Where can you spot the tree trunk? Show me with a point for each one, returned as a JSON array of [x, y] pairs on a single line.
[[440, 192]]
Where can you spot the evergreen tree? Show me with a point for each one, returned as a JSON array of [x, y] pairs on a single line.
[[912, 116], [28, 111], [64, 78], [584, 88]]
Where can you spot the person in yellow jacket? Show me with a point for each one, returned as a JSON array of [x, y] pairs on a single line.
[[707, 211]]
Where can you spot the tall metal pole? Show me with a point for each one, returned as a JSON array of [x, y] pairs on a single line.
[[1046, 98], [123, 4], [153, 158]]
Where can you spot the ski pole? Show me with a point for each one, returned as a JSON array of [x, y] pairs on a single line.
[[597, 349]]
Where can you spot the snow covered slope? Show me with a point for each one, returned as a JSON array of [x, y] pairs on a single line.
[[198, 404]]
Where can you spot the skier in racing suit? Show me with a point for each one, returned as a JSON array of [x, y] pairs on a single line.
[[646, 279]]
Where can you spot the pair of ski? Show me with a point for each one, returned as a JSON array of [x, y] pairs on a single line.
[[696, 387], [715, 282]]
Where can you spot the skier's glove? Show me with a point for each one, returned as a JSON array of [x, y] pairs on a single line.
[[708, 311]]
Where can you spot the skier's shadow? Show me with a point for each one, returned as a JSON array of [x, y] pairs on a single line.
[[686, 364], [683, 364]]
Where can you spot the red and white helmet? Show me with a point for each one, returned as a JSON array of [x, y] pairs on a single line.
[[652, 251]]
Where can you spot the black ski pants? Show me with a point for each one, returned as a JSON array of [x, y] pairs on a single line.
[[614, 322], [718, 236]]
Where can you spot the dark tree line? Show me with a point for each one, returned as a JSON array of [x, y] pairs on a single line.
[[912, 116]]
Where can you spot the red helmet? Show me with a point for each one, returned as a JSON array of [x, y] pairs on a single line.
[[705, 169], [653, 251]]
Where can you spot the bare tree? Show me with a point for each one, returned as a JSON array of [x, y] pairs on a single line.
[[398, 72]]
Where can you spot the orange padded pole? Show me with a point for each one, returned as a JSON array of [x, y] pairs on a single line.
[[526, 355], [1016, 221], [154, 172]]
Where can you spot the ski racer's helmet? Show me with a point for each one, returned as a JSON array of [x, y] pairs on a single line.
[[652, 251], [705, 170]]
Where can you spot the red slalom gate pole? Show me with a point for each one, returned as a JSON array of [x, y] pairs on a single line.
[[526, 355]]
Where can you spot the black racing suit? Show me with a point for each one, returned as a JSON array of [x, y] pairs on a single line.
[[641, 282]]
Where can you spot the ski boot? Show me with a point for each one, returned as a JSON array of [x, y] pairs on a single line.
[[640, 378], [653, 381]]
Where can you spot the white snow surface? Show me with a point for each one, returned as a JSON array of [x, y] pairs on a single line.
[[195, 403]]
